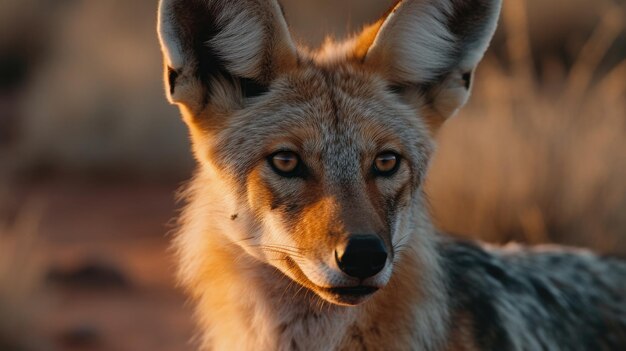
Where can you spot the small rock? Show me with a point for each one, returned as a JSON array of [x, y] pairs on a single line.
[[79, 337], [89, 275]]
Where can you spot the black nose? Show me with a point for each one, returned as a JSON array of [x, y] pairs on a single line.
[[363, 256]]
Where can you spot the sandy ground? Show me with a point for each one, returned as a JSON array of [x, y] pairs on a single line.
[[108, 273]]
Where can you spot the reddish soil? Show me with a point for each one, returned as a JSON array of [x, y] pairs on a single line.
[[110, 277]]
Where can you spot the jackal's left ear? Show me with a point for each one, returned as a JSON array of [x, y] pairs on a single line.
[[216, 50], [431, 48]]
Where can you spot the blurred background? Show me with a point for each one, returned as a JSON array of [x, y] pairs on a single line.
[[91, 155]]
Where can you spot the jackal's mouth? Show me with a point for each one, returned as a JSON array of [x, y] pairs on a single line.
[[342, 295], [356, 291], [349, 296]]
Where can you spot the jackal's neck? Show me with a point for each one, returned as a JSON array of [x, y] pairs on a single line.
[[247, 304]]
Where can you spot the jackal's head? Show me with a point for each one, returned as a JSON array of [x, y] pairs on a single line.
[[319, 156]]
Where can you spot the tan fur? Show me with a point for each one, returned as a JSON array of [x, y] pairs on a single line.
[[256, 250]]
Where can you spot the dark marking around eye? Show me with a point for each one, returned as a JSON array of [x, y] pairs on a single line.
[[287, 164]]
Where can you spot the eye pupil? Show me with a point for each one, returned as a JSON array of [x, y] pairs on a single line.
[[285, 162], [386, 164]]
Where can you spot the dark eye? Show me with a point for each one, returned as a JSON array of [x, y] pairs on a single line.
[[286, 163], [386, 164]]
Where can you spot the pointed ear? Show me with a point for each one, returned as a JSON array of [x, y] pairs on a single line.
[[430, 48], [222, 49]]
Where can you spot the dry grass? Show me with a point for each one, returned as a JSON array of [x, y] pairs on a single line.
[[539, 159], [531, 158], [20, 276], [94, 102]]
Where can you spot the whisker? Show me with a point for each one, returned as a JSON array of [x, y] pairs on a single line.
[[401, 239], [245, 239], [287, 288], [276, 247], [281, 252], [279, 249], [287, 248]]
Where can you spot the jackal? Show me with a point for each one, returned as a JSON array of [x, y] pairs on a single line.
[[306, 226]]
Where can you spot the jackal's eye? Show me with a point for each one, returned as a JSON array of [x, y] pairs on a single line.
[[386, 164], [286, 163]]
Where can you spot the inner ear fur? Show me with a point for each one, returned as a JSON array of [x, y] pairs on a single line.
[[222, 49], [430, 48]]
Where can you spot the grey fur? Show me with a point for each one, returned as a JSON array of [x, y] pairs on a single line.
[[538, 299]]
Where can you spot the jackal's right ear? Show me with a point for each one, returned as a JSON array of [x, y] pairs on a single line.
[[217, 49]]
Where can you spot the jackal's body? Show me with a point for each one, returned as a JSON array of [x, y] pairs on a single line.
[[306, 228], [463, 297]]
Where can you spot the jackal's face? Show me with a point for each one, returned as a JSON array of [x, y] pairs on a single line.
[[320, 157]]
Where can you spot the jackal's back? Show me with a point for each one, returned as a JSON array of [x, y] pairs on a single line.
[[547, 298]]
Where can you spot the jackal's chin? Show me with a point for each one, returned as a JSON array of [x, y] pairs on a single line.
[[346, 296]]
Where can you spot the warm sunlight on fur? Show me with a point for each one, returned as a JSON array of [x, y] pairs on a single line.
[[307, 225], [357, 179]]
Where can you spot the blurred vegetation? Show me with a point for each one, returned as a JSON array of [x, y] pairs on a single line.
[[540, 155], [20, 279]]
